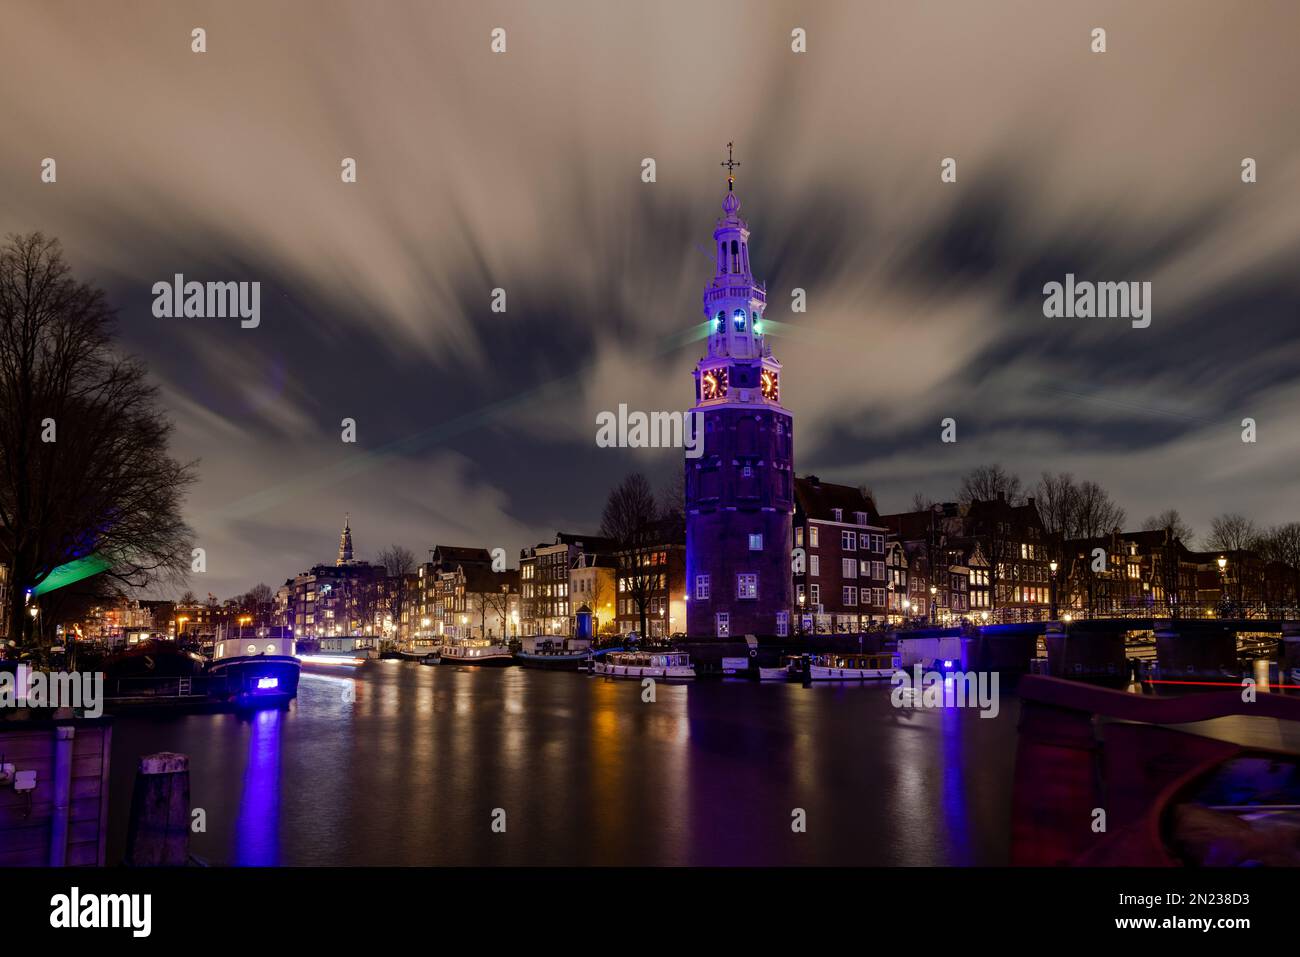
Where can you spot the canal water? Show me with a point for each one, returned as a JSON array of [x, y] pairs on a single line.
[[408, 765]]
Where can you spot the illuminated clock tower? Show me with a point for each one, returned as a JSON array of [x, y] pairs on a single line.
[[739, 492]]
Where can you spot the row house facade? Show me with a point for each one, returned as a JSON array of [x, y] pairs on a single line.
[[1149, 574], [546, 605], [967, 581], [654, 574], [592, 585], [839, 571], [1014, 541], [439, 601]]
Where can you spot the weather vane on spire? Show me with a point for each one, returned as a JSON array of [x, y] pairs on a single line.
[[731, 165]]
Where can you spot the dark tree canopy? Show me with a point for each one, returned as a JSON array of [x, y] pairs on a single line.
[[84, 468]]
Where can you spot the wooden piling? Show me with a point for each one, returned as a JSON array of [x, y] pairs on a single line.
[[159, 830]]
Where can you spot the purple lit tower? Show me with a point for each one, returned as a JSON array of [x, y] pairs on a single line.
[[739, 492]]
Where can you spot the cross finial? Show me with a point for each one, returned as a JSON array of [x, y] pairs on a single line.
[[731, 165]]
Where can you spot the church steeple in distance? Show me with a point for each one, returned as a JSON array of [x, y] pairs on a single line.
[[739, 493], [345, 542]]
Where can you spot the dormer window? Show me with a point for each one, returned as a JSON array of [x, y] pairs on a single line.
[[739, 316]]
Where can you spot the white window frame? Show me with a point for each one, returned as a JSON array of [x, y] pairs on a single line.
[[701, 588]]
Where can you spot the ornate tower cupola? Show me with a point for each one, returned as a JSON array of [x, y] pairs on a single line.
[[739, 492], [345, 542]]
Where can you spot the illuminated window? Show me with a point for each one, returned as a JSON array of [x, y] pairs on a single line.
[[739, 316], [746, 585]]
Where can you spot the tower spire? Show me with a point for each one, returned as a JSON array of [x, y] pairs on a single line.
[[731, 165], [345, 541]]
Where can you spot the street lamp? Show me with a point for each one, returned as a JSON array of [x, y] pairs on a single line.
[[1223, 585], [1053, 566], [933, 591], [802, 598]]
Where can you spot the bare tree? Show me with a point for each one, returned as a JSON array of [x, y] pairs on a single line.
[[986, 483], [398, 562], [1171, 521], [1281, 544], [259, 594], [672, 499], [1095, 515], [991, 524], [631, 519], [921, 502], [1056, 497], [1231, 532], [84, 468]]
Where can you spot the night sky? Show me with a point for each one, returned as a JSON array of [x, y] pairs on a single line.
[[523, 171]]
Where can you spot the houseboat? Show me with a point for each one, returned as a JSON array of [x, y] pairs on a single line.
[[789, 668], [554, 654], [870, 666], [670, 665], [476, 651], [255, 668], [336, 654]]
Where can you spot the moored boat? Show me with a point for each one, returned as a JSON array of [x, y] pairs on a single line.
[[255, 669], [784, 672], [476, 651], [552, 654], [870, 666], [670, 665], [340, 654]]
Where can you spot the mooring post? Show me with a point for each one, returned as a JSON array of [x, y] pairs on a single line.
[[159, 830]]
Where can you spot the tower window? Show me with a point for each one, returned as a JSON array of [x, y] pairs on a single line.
[[740, 320], [735, 256], [721, 319]]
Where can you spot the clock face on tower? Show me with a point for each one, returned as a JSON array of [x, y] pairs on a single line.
[[771, 385], [713, 384]]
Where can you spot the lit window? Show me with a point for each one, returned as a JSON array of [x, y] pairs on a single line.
[[756, 542], [739, 316], [746, 585]]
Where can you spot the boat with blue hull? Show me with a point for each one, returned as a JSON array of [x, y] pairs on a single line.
[[257, 669]]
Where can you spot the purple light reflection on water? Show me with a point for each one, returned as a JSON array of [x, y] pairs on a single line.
[[257, 832]]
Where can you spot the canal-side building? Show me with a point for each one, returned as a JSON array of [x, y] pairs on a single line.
[[439, 590], [546, 605], [840, 579], [653, 577], [1148, 573], [339, 600], [740, 491], [592, 584]]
